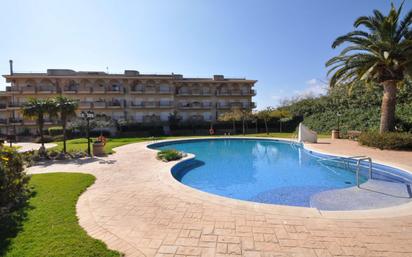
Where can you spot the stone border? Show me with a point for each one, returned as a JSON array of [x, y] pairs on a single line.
[[169, 180]]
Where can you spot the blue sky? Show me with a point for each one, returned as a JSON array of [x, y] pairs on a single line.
[[282, 44]]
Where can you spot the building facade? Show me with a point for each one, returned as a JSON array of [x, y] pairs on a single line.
[[140, 98]]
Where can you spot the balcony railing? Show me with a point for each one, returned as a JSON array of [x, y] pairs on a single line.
[[237, 93], [194, 93], [114, 104], [195, 105], [15, 105], [163, 104], [98, 90], [85, 105], [99, 104], [15, 121]]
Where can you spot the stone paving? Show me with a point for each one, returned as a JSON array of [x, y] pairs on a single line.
[[137, 207]]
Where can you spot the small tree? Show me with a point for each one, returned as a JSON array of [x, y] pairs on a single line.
[[231, 116], [246, 115], [282, 116], [37, 109], [66, 107], [265, 115]]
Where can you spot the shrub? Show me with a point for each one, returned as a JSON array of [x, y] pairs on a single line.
[[389, 140], [14, 190], [169, 155], [58, 131], [58, 138], [46, 139]]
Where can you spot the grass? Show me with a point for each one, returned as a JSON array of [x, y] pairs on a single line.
[[80, 144], [51, 227]]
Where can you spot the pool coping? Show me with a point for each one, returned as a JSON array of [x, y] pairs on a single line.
[[168, 179]]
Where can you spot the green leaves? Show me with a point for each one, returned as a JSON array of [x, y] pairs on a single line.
[[380, 51]]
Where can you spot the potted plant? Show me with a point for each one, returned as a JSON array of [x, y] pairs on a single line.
[[98, 146]]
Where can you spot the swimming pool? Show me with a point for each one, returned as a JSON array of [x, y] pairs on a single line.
[[260, 170]]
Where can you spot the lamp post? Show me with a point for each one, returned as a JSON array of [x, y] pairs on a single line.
[[88, 116]]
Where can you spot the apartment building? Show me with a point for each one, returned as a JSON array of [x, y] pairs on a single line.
[[140, 98]]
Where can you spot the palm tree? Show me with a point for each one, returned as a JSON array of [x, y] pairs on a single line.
[[66, 108], [37, 109], [380, 53]]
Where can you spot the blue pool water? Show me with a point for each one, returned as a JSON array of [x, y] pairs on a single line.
[[265, 171]]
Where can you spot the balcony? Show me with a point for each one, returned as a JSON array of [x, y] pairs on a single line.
[[84, 91], [98, 90], [15, 105], [3, 106], [99, 105], [49, 122], [237, 93], [195, 105], [3, 121], [151, 118], [237, 105], [115, 91], [164, 104], [29, 122], [15, 121], [137, 91], [85, 105], [45, 91], [223, 106], [28, 91], [165, 91], [150, 104], [115, 105], [194, 93], [136, 105]]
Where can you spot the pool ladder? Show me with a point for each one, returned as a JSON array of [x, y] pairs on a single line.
[[358, 160]]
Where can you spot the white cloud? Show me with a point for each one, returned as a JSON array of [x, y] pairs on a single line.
[[314, 87]]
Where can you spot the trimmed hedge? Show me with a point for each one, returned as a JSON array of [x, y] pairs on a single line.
[[389, 140], [57, 131]]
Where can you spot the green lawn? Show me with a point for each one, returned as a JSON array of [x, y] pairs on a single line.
[[81, 143], [51, 227]]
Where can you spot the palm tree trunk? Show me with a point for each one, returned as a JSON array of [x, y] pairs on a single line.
[[388, 106], [64, 134], [41, 132], [266, 126]]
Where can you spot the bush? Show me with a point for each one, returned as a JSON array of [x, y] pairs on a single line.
[[46, 139], [169, 155], [14, 190], [58, 131], [389, 140], [58, 138]]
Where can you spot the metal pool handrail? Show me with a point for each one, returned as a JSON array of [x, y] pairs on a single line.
[[358, 159], [358, 168]]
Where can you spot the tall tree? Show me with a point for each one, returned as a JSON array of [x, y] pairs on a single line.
[[38, 109], [381, 52], [66, 108]]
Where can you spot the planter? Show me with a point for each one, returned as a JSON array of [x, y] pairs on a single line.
[[98, 149], [335, 134]]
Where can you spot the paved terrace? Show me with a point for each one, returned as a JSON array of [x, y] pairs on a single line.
[[137, 207]]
